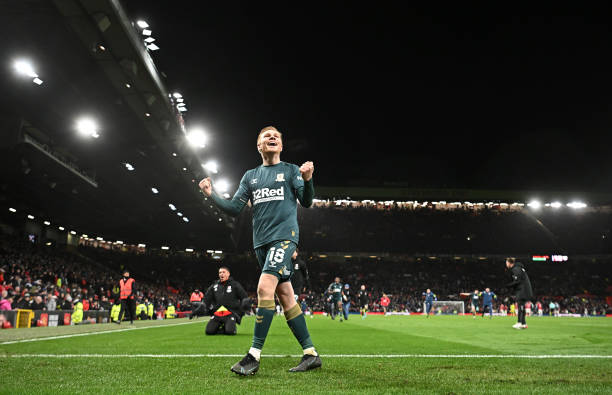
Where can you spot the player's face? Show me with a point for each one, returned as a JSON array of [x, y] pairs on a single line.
[[337, 280], [270, 141], [223, 274], [363, 287], [487, 290], [428, 290], [294, 256]]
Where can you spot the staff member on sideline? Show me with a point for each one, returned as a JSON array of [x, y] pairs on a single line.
[[226, 296], [196, 303], [522, 289], [127, 291]]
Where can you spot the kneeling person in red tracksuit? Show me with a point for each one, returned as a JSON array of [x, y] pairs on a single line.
[[228, 300]]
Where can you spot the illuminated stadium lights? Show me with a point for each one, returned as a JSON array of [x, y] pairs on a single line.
[[147, 114], [184, 169], [197, 138], [211, 166], [86, 127], [226, 195], [172, 206], [84, 235], [61, 228], [48, 243], [182, 109], [555, 204], [142, 245], [72, 232], [30, 216], [179, 214], [142, 24], [146, 32], [174, 154], [220, 220], [180, 100], [154, 190], [129, 167], [177, 95], [118, 242], [12, 210], [534, 204], [149, 40], [165, 248], [576, 205], [221, 185], [25, 68], [99, 239], [47, 223], [188, 249], [185, 219], [218, 252], [152, 47]]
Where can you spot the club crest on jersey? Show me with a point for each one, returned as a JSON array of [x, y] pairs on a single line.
[[254, 181], [229, 289], [280, 177]]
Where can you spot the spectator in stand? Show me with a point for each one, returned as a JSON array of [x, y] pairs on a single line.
[[6, 301], [52, 303]]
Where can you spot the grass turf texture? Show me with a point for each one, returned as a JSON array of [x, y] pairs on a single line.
[[375, 335]]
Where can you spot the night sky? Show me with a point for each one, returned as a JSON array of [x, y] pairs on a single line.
[[502, 98]]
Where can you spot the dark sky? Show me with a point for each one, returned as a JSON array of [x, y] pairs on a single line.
[[466, 98]]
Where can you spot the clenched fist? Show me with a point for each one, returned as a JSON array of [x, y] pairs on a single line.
[[307, 169], [206, 186]]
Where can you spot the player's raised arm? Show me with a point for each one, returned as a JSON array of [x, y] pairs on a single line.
[[304, 186], [232, 206]]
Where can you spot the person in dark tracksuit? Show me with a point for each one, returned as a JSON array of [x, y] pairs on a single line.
[[522, 289], [226, 299], [299, 278]]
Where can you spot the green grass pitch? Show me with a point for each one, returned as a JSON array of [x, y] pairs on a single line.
[[395, 354]]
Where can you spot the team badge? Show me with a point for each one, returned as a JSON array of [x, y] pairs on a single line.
[[229, 289], [280, 177]]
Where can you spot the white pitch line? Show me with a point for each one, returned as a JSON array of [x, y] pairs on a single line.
[[38, 339], [475, 356]]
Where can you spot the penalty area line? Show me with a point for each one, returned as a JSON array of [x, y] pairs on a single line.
[[416, 356], [38, 339]]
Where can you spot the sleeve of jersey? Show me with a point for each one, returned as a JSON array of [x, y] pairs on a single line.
[[234, 205], [303, 189]]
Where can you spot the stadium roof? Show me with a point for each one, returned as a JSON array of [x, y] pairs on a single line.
[[93, 64]]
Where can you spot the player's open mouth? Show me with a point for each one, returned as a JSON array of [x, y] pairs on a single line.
[[272, 144]]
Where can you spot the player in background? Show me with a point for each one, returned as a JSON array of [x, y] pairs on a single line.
[[540, 309], [474, 298], [273, 188], [429, 299], [335, 291], [522, 289], [346, 300], [363, 301], [384, 303], [487, 302], [528, 309]]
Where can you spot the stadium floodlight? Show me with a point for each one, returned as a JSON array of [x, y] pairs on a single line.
[[165, 248], [72, 232], [149, 40], [12, 210], [220, 219], [211, 166], [25, 68], [147, 114], [555, 204], [129, 167], [142, 24], [99, 239], [226, 195], [184, 169], [30, 216], [188, 249], [197, 138], [87, 127], [37, 81], [152, 47], [182, 109], [222, 185], [185, 219], [146, 32], [576, 205], [142, 245], [172, 206], [47, 223], [174, 154], [218, 252], [154, 190], [84, 235], [180, 100], [179, 213], [535, 204], [61, 228], [177, 95]]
